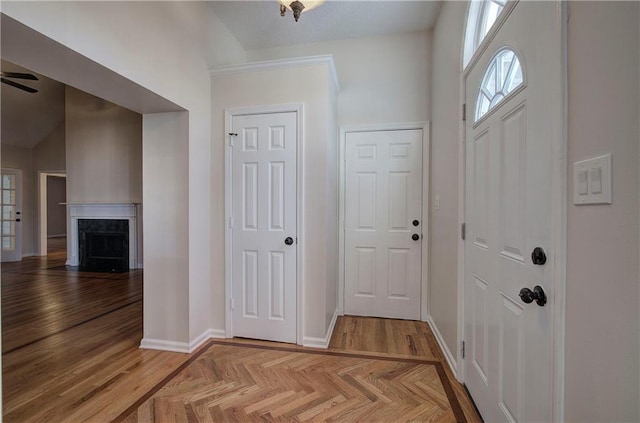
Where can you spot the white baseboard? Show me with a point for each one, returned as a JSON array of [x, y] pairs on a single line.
[[217, 333], [312, 342], [29, 255], [162, 345], [182, 347], [443, 346]]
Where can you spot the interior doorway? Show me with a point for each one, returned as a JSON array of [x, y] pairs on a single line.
[[53, 210]]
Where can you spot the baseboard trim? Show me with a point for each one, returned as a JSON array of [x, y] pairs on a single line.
[[443, 346], [182, 347], [312, 342], [163, 345]]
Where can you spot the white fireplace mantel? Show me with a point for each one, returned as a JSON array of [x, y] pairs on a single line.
[[122, 211]]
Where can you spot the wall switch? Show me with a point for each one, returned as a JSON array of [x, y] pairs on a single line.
[[583, 182], [592, 181]]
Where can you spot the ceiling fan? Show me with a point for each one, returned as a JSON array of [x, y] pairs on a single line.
[[18, 75]]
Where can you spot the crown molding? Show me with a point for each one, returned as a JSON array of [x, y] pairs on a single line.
[[281, 63]]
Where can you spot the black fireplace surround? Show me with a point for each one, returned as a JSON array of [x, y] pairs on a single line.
[[103, 245]]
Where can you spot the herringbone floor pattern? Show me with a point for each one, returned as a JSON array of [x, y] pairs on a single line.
[[241, 382]]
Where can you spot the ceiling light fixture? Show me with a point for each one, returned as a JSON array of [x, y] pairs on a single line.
[[298, 6]]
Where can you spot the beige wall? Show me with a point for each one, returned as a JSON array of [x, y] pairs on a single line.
[[103, 151], [124, 63], [22, 158], [49, 154], [264, 87], [445, 143], [56, 212], [382, 79], [603, 310]]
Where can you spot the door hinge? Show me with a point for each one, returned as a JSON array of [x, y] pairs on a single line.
[[231, 304], [463, 230], [462, 349], [464, 112], [231, 223], [231, 136]]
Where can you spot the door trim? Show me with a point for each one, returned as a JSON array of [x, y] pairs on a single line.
[[558, 215], [229, 114], [426, 142]]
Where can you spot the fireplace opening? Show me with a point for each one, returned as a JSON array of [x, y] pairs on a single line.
[[103, 245]]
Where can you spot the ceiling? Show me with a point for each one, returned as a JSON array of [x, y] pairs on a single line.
[[27, 118], [258, 24]]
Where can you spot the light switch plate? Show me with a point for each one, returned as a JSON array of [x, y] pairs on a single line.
[[592, 181]]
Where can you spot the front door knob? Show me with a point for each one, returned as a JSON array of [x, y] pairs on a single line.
[[538, 256], [537, 295], [415, 237], [288, 240]]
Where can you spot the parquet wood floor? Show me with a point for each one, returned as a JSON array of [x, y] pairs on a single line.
[[70, 354], [246, 383]]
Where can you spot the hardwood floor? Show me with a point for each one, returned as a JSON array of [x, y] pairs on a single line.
[[70, 344]]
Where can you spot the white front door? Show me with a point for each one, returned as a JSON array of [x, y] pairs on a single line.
[[11, 218], [513, 97], [383, 224], [264, 226]]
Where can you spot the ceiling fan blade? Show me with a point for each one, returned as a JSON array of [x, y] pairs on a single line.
[[19, 75], [20, 86]]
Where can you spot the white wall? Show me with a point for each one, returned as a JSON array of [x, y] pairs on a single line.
[[603, 310], [602, 299], [103, 151], [445, 142], [166, 162], [331, 301], [141, 55], [382, 79], [265, 87]]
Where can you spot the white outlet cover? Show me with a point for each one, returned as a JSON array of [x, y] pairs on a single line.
[[597, 187]]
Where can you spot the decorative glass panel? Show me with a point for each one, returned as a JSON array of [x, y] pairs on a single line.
[[8, 181], [480, 19], [503, 75]]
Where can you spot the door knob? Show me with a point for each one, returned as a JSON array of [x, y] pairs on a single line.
[[18, 220], [538, 256], [415, 237], [416, 222], [288, 240], [537, 295]]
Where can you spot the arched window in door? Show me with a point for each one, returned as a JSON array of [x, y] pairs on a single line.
[[482, 15], [503, 75]]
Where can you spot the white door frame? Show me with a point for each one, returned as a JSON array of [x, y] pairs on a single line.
[[42, 207], [229, 114], [426, 142], [558, 215]]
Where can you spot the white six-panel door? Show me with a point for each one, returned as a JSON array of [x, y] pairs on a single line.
[[264, 226], [383, 210], [508, 366]]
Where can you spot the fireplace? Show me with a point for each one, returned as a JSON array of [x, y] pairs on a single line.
[[104, 245], [105, 237]]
